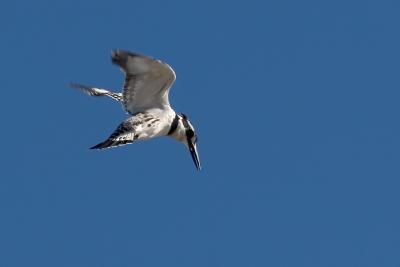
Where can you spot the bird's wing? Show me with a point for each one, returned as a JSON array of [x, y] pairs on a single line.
[[123, 135], [147, 81], [93, 91], [139, 127]]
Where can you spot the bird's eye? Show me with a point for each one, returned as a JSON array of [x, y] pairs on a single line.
[[190, 133]]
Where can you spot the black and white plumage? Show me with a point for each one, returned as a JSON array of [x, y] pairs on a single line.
[[93, 91], [145, 98]]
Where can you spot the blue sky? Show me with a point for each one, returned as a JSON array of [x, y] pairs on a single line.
[[296, 104]]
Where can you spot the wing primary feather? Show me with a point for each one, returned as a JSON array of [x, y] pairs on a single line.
[[93, 91], [111, 143]]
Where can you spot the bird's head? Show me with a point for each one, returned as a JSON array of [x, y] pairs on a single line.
[[186, 134]]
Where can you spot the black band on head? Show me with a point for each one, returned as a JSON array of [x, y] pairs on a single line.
[[174, 125]]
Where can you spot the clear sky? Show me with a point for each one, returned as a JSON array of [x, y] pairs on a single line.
[[296, 104]]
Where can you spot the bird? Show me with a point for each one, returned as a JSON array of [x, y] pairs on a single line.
[[145, 97]]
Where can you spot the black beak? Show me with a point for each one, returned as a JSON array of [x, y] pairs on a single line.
[[195, 155]]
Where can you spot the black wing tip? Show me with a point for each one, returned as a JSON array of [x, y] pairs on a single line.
[[120, 56], [98, 146], [110, 144], [122, 52], [102, 145]]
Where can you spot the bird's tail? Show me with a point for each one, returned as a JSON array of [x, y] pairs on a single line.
[[93, 91]]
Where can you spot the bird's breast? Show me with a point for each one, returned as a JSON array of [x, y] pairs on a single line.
[[152, 124]]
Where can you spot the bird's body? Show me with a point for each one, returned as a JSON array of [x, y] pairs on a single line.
[[145, 98], [141, 126]]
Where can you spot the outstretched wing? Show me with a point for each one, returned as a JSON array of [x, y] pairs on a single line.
[[123, 135], [93, 91], [147, 81]]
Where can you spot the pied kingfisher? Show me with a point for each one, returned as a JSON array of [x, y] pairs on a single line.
[[145, 98]]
